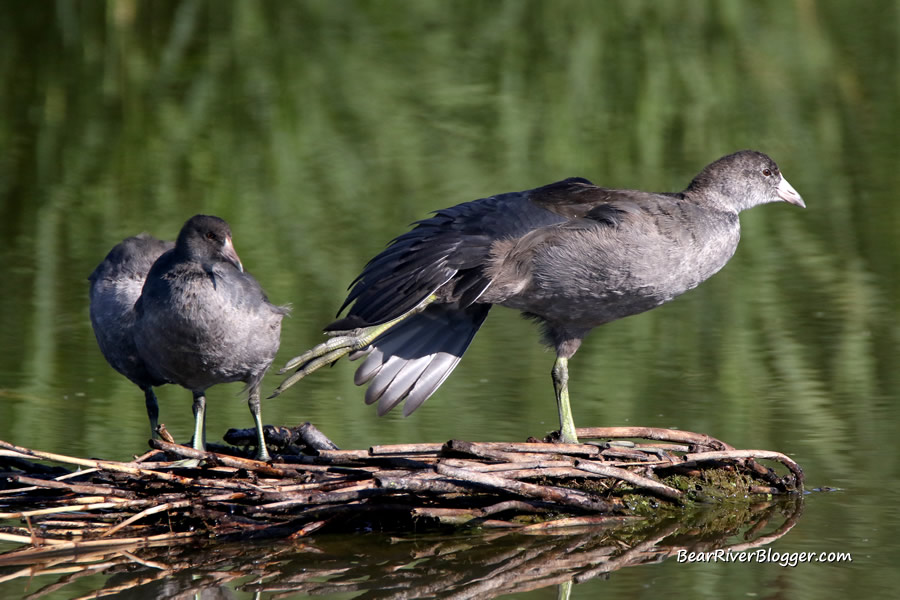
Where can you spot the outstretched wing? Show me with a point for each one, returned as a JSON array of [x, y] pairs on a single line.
[[453, 247]]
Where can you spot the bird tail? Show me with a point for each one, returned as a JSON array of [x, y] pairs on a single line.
[[412, 359]]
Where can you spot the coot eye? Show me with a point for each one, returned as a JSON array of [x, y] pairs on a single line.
[[210, 235], [767, 172]]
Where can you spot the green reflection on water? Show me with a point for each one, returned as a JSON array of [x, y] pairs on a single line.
[[320, 129]]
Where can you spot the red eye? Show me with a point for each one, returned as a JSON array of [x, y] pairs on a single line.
[[767, 172], [210, 235]]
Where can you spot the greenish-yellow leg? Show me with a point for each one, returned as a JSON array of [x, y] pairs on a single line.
[[152, 411], [560, 375], [262, 453], [199, 408], [339, 346], [199, 440]]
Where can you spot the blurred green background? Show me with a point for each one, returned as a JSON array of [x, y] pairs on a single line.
[[321, 129]]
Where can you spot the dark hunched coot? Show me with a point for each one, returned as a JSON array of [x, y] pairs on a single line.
[[570, 254], [116, 285], [201, 320]]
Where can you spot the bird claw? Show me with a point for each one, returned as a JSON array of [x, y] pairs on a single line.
[[313, 362], [339, 345], [327, 348]]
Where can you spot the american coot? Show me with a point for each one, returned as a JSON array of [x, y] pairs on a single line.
[[571, 255], [116, 284], [201, 320]]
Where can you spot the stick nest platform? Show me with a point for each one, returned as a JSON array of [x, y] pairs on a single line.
[[622, 473]]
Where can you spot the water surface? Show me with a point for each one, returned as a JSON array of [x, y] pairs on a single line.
[[320, 130]]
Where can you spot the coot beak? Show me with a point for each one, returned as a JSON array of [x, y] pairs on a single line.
[[787, 193], [231, 256]]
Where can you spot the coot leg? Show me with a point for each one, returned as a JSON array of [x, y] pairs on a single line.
[[560, 374], [152, 411], [262, 452], [199, 409], [341, 344]]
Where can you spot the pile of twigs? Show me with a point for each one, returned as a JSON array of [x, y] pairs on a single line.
[[527, 486]]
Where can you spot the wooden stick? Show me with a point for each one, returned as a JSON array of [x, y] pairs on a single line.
[[98, 464], [448, 516], [483, 451], [524, 506], [24, 539], [591, 520], [698, 457], [567, 472], [31, 554], [529, 447], [343, 456], [629, 453], [364, 490], [559, 495], [632, 478], [419, 485], [75, 488], [392, 449], [652, 433], [78, 507], [508, 466], [223, 459], [146, 513], [314, 438]]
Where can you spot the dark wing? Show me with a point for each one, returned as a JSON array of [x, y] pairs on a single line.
[[130, 258], [453, 247], [116, 285], [585, 204]]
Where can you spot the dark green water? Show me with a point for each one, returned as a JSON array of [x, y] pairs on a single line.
[[319, 130]]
